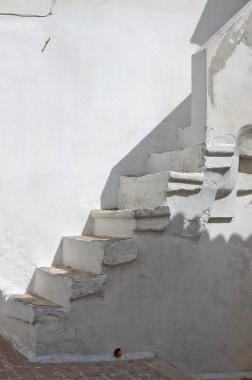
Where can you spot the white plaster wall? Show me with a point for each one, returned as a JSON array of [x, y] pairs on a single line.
[[224, 85], [189, 301], [110, 73]]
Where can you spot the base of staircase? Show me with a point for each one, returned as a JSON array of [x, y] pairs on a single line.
[[89, 358]]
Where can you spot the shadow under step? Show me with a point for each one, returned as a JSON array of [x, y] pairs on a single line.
[[89, 253], [64, 284], [32, 308]]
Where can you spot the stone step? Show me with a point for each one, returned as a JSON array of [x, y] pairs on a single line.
[[152, 190], [219, 156], [244, 183], [31, 308], [124, 223], [63, 284], [186, 160], [89, 253]]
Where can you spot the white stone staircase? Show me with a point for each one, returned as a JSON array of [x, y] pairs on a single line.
[[146, 204], [80, 275], [197, 183]]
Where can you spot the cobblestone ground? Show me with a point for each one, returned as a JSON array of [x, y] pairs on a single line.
[[14, 366]]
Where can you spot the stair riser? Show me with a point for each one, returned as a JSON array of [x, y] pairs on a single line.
[[28, 313], [55, 289], [141, 193], [20, 333], [142, 198], [178, 160], [62, 289], [114, 227], [128, 227], [152, 190], [83, 255], [15, 309], [33, 340], [91, 255]]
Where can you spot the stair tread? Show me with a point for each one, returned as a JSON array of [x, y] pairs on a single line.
[[96, 238], [133, 213], [222, 149], [171, 176], [33, 300], [74, 274]]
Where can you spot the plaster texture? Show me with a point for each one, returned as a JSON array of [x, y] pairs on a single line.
[[193, 310], [175, 211], [63, 284], [110, 73], [124, 223], [90, 253], [32, 308], [227, 59], [26, 8]]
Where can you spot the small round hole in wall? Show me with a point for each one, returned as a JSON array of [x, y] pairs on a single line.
[[118, 353]]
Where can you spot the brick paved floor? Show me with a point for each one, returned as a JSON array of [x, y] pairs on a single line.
[[14, 366]]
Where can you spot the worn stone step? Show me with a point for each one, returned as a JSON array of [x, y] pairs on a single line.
[[220, 149], [190, 159], [90, 252], [124, 223], [152, 190], [31, 308], [63, 284], [219, 156], [244, 183]]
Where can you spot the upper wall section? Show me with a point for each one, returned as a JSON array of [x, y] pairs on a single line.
[[40, 8], [222, 81]]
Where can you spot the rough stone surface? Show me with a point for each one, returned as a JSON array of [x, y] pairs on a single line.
[[64, 284], [124, 223], [152, 190], [177, 160], [31, 308], [89, 253]]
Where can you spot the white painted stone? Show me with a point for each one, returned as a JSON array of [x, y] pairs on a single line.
[[124, 223], [90, 253], [224, 208], [39, 8], [182, 188], [218, 162], [31, 308], [173, 274], [63, 284], [152, 190], [59, 114], [145, 191], [178, 160], [244, 183], [226, 83], [194, 210], [221, 149], [186, 177]]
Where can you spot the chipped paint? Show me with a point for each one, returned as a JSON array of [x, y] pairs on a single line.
[[229, 41]]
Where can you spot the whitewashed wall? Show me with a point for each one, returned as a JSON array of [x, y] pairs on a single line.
[[110, 73]]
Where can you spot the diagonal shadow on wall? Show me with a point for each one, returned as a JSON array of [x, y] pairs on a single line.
[[164, 136], [215, 14], [161, 138]]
